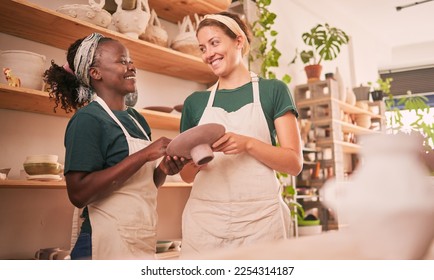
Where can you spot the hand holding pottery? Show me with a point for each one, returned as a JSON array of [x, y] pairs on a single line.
[[195, 143], [172, 165], [156, 149]]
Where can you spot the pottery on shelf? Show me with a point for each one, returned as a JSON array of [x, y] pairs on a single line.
[[163, 109], [27, 66], [93, 13], [186, 41], [195, 143], [351, 97], [361, 92], [341, 85], [154, 32], [132, 23], [363, 120], [131, 99], [377, 95]]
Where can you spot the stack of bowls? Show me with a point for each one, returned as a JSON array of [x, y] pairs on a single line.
[[43, 166]]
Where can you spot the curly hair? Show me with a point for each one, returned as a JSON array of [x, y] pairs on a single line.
[[62, 84]]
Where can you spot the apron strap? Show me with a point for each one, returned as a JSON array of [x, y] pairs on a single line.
[[255, 84], [107, 109]]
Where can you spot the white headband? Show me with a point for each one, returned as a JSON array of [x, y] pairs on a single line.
[[233, 26]]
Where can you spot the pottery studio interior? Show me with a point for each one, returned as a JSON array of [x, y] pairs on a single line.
[[358, 82]]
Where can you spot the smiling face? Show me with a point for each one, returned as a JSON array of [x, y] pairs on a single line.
[[219, 51], [113, 69]]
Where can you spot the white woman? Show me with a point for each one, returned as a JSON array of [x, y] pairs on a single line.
[[236, 199]]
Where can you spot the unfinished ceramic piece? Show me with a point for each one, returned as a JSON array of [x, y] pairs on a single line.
[[163, 109], [195, 143], [93, 13], [186, 40], [132, 23], [154, 33]]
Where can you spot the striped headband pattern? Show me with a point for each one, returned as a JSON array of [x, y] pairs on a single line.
[[82, 61]]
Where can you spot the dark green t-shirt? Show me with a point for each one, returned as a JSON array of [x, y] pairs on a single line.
[[275, 97], [94, 141]]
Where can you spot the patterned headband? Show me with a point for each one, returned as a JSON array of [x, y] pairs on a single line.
[[233, 26], [82, 61]]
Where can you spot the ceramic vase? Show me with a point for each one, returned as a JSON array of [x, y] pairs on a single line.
[[27, 66], [341, 85], [131, 99], [351, 97], [93, 13], [132, 23]]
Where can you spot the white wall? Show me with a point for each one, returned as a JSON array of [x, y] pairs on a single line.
[[358, 62]]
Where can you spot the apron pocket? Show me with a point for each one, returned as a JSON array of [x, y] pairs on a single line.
[[138, 239]]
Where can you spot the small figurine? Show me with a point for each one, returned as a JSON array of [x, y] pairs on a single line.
[[13, 80]]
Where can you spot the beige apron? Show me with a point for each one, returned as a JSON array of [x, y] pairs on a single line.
[[124, 223], [236, 199]]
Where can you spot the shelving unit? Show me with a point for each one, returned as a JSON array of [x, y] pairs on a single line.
[[335, 156], [33, 184], [26, 20], [35, 101]]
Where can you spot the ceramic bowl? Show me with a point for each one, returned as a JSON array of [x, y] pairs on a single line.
[[4, 173], [93, 14], [42, 168], [41, 158], [363, 120], [25, 65], [163, 246]]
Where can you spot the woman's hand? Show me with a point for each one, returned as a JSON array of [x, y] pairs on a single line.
[[232, 143], [172, 165], [156, 149]]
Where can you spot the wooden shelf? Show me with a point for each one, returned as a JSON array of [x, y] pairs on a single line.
[[35, 101], [346, 127], [176, 10], [347, 108], [33, 184], [348, 148], [26, 20]]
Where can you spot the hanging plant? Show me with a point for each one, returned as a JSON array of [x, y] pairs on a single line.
[[267, 51]]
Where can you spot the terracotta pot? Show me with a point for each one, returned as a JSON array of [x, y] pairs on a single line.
[[313, 72], [186, 41]]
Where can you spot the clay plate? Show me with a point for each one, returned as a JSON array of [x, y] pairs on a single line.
[[178, 108], [195, 143], [159, 109]]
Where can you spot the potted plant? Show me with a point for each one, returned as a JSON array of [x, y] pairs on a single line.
[[325, 45], [380, 88]]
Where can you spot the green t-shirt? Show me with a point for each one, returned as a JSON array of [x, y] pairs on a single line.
[[275, 97], [94, 141]]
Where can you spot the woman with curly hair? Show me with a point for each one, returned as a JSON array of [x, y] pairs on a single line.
[[111, 165]]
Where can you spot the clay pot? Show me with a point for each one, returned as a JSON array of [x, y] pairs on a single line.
[[27, 66], [377, 95], [313, 72], [93, 13], [186, 41], [154, 33], [131, 22], [361, 92]]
